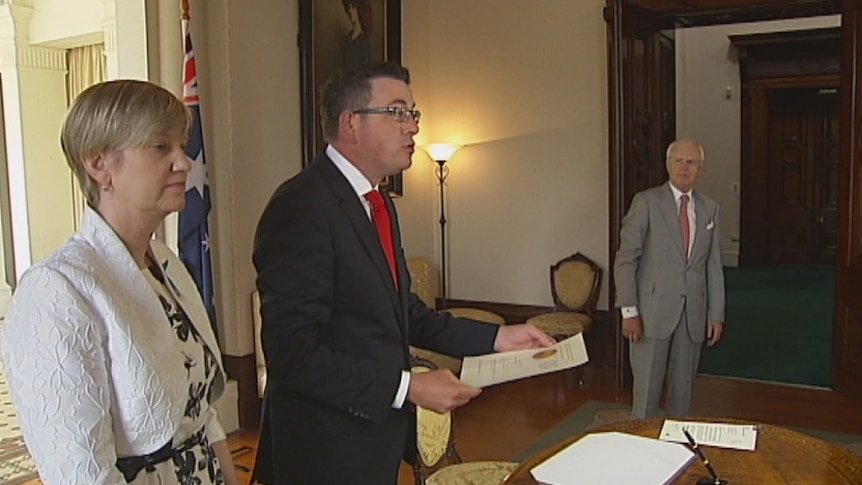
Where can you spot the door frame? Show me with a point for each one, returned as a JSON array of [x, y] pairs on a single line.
[[847, 357]]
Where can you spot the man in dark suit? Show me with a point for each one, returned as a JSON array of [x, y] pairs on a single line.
[[337, 312], [670, 283]]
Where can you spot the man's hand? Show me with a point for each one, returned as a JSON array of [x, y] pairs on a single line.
[[633, 329], [520, 337], [714, 330], [439, 390]]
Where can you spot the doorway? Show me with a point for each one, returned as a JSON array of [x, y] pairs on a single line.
[[802, 165], [626, 56], [776, 131], [790, 146]]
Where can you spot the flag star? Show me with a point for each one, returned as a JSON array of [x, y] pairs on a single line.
[[205, 242], [197, 176]]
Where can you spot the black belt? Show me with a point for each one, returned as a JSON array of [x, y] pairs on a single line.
[[130, 466]]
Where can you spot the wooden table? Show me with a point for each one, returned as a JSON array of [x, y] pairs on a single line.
[[782, 456]]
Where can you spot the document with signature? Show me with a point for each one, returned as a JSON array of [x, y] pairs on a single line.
[[486, 370], [736, 436]]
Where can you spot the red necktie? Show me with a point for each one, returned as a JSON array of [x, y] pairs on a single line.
[[683, 222], [383, 222]]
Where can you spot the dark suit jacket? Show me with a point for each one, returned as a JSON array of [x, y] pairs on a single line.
[[336, 332]]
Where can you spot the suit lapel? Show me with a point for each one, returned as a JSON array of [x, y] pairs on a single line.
[[364, 228], [701, 220], [400, 263]]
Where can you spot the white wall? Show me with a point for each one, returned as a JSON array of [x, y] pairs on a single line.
[[249, 76], [707, 70], [65, 23], [524, 89]]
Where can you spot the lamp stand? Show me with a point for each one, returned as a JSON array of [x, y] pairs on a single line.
[[442, 171]]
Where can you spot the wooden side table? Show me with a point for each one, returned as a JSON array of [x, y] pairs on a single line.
[[782, 456]]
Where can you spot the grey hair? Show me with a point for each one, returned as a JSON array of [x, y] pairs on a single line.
[[684, 141]]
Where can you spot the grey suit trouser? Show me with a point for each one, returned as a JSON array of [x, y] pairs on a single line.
[[650, 359]]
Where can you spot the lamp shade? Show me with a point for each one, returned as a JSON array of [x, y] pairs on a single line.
[[441, 152]]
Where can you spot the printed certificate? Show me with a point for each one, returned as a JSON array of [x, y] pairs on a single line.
[[486, 370]]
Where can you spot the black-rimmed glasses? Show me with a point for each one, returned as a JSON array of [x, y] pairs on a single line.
[[398, 113]]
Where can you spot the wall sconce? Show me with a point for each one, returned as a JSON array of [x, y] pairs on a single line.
[[442, 153]]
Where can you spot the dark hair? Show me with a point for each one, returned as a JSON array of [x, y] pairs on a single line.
[[349, 89]]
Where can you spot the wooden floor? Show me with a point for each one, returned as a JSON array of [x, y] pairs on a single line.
[[507, 418]]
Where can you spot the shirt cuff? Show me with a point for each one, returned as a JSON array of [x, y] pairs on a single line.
[[401, 395], [629, 311]]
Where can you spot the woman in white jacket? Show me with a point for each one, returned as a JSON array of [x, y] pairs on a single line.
[[109, 352]]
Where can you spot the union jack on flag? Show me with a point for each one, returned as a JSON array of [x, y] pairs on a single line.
[[194, 243]]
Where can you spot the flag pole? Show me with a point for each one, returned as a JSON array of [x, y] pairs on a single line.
[[194, 240]]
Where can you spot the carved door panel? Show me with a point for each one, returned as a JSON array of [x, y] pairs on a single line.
[[642, 99], [802, 173], [847, 358]]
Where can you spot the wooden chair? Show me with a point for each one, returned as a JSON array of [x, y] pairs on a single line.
[[575, 284], [423, 282], [437, 461]]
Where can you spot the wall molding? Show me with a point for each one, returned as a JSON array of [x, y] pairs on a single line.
[[31, 57]]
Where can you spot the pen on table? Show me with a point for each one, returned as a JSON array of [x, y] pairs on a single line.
[[700, 455]]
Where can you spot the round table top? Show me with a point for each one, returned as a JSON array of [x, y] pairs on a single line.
[[781, 456]]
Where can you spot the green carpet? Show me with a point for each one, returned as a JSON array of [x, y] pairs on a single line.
[[593, 414], [779, 326]]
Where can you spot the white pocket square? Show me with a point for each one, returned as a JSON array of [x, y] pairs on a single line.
[[710, 225]]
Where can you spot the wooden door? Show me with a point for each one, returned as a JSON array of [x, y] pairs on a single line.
[[847, 358], [802, 172], [642, 107]]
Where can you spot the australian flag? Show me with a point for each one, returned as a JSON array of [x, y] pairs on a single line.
[[194, 235]]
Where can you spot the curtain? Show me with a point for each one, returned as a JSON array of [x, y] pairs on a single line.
[[86, 66]]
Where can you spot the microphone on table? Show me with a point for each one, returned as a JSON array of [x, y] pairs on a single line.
[[713, 478]]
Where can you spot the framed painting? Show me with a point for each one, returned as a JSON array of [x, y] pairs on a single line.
[[337, 33]]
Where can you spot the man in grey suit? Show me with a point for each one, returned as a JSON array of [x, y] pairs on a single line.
[[670, 283]]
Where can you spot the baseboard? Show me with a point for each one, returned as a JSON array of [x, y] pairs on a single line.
[[598, 340], [511, 312], [244, 370]]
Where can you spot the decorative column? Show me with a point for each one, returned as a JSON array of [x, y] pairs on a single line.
[[34, 102], [124, 30]]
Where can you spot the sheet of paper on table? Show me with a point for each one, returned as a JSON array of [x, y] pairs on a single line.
[[485, 370], [736, 436], [614, 458]]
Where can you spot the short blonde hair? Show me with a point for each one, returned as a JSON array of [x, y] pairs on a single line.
[[112, 116]]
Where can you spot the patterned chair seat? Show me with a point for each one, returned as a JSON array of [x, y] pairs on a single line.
[[423, 283], [561, 324], [575, 284], [437, 461], [473, 473]]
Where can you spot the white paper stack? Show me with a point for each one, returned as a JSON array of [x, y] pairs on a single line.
[[620, 458]]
